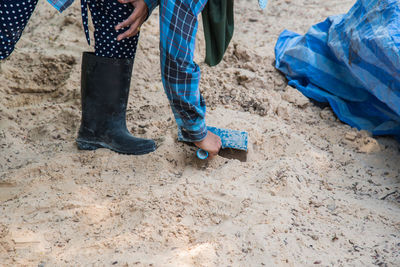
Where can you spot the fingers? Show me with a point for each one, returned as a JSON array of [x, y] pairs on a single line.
[[218, 148], [215, 145], [133, 18], [218, 145], [212, 154], [133, 22], [132, 31], [126, 1], [211, 143]]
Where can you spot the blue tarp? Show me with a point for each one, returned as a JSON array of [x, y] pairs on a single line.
[[352, 62]]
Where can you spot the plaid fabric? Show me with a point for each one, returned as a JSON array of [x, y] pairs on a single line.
[[180, 74], [151, 5], [60, 5]]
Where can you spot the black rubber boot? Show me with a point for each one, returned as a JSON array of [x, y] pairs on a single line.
[[105, 86]]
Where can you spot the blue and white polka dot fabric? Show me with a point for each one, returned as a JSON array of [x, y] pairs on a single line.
[[106, 14], [14, 15]]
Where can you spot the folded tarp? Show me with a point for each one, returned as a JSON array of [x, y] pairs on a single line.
[[352, 62]]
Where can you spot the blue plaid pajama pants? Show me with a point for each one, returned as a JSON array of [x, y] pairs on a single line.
[[180, 74], [106, 14]]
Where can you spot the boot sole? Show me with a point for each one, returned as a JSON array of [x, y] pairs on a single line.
[[88, 145]]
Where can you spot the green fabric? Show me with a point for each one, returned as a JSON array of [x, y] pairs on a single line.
[[218, 29]]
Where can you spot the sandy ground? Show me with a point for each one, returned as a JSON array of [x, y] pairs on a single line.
[[313, 191]]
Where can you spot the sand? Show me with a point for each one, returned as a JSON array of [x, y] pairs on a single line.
[[313, 191]]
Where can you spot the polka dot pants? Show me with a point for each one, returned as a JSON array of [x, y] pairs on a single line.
[[106, 14], [14, 15]]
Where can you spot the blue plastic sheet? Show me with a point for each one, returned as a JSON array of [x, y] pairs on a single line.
[[262, 3], [352, 62]]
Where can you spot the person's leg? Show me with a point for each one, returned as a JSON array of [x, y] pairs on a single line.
[[14, 15], [106, 76], [106, 14], [180, 74]]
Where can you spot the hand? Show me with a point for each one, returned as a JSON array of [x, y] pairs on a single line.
[[212, 144], [135, 20]]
